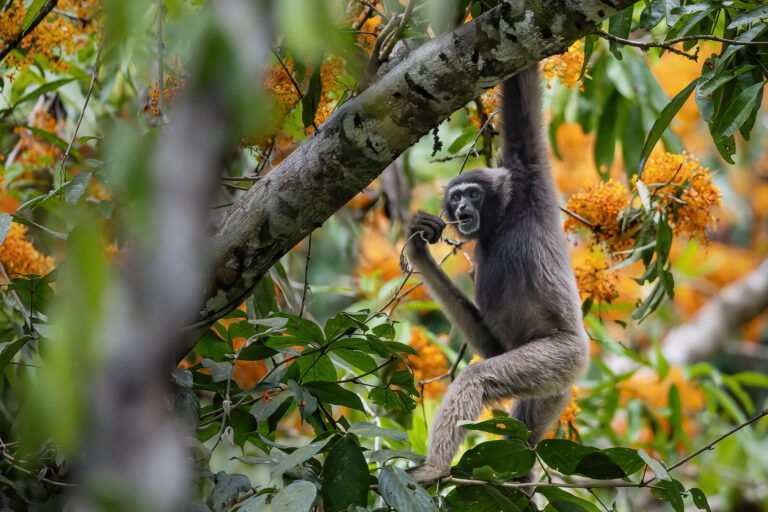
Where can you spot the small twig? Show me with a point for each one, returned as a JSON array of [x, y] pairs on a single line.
[[711, 445], [234, 187], [200, 324], [400, 29], [65, 158], [160, 63], [290, 75], [72, 16], [578, 217], [306, 281], [24, 313], [645, 46], [356, 377], [240, 178], [474, 142], [11, 461]]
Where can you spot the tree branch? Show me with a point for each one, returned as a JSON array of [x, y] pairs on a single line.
[[41, 14], [730, 308], [363, 136]]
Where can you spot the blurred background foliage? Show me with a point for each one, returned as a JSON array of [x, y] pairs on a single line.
[[324, 381]]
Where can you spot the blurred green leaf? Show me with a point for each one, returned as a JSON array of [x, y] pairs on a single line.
[[402, 493], [345, 476]]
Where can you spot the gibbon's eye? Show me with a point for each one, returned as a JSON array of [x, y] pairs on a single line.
[[474, 193], [455, 197]]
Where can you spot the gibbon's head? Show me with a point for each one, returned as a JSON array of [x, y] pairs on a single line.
[[476, 199]]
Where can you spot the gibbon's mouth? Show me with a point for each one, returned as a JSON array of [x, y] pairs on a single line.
[[468, 224]]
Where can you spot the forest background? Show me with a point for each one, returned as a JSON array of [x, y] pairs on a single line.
[[278, 148]]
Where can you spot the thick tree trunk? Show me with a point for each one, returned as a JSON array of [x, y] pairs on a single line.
[[368, 132]]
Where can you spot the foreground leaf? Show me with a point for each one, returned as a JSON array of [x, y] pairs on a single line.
[[345, 476], [402, 493]]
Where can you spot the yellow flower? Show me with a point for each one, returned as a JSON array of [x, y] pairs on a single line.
[[600, 204], [566, 66], [685, 192], [595, 281], [567, 420], [19, 256]]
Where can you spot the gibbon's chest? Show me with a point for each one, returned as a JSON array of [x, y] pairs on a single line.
[[507, 294]]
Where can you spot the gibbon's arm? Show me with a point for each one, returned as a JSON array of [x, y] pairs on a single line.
[[461, 312], [523, 140]]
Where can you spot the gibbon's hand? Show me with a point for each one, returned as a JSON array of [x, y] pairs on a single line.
[[431, 227]]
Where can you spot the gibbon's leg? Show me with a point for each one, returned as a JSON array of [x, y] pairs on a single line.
[[539, 414], [542, 369]]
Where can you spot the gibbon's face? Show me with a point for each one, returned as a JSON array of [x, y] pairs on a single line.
[[464, 201]]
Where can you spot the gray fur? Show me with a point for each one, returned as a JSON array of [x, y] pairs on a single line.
[[527, 323]]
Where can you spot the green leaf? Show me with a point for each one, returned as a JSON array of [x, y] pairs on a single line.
[[752, 379], [750, 16], [605, 144], [392, 400], [332, 393], [345, 476], [77, 187], [316, 366], [485, 498], [590, 43], [699, 499], [263, 409], [298, 456], [710, 84], [312, 96], [655, 466], [297, 497], [670, 7], [661, 124], [367, 429], [227, 489], [497, 460], [626, 458], [503, 425], [9, 349], [619, 25], [5, 226], [27, 222], [385, 455], [599, 466], [560, 500], [402, 493], [738, 112], [562, 454], [29, 17], [50, 86], [357, 359], [672, 494], [219, 371], [256, 503]]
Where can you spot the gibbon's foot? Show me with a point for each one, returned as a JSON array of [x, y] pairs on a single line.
[[430, 225], [428, 473]]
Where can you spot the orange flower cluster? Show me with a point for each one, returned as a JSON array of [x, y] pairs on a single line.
[[53, 39], [566, 66], [431, 364], [685, 191], [34, 151], [331, 69], [595, 282], [654, 393], [172, 87], [19, 256], [600, 204], [490, 100], [567, 420]]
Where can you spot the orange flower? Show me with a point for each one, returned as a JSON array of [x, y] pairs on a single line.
[[595, 281], [19, 256], [600, 204], [33, 150], [431, 364], [685, 191], [566, 67]]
